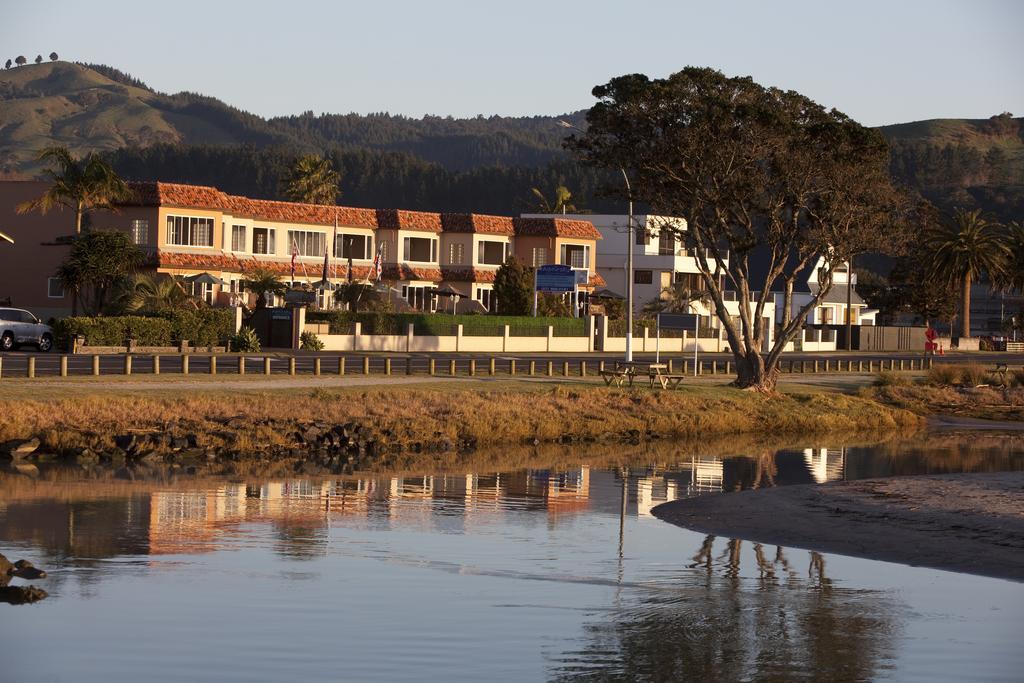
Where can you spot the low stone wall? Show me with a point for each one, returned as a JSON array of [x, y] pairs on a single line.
[[168, 350], [506, 343]]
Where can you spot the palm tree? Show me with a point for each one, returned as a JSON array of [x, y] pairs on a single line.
[[98, 266], [260, 282], [561, 204], [79, 184], [152, 294], [1013, 276], [312, 180], [965, 248]]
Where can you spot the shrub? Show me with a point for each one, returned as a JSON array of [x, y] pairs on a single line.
[[974, 374], [888, 378], [114, 331], [203, 327], [943, 375], [310, 342], [245, 341], [1016, 377]]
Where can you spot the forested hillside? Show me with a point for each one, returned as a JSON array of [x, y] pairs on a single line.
[[486, 164]]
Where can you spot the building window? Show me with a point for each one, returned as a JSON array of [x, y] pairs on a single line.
[[263, 241], [666, 243], [643, 237], [421, 298], [457, 254], [576, 255], [643, 277], [307, 242], [354, 246], [421, 249], [491, 253], [54, 289], [485, 297], [140, 231], [540, 256], [237, 238], [190, 231]]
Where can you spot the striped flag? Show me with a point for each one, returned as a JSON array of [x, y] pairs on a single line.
[[378, 265]]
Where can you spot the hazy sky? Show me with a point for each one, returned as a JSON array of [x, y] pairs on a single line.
[[880, 62]]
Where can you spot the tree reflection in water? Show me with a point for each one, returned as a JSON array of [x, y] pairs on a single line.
[[720, 625]]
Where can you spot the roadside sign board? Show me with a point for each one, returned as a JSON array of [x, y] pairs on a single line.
[[555, 278], [677, 321]]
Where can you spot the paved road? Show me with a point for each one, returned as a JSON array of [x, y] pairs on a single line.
[[16, 364]]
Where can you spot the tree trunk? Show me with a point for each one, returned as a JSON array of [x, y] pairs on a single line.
[[965, 308], [78, 219], [753, 374]]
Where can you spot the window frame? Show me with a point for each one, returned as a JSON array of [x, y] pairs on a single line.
[[481, 250], [307, 243], [407, 247], [636, 276], [187, 229], [350, 238], [49, 290], [270, 248], [245, 237], [139, 239]]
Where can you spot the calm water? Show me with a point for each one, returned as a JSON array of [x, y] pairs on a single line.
[[539, 574]]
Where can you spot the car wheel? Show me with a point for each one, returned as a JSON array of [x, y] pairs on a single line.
[[7, 342], [46, 343]]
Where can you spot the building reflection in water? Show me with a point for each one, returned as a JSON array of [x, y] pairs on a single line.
[[182, 521]]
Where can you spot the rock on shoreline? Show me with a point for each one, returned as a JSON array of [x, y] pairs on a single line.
[[971, 523]]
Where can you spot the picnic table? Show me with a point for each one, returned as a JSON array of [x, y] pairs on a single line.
[[655, 372]]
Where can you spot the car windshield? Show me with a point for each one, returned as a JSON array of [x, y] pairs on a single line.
[[27, 317]]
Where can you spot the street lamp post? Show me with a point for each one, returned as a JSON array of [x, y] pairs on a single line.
[[629, 253], [629, 269]]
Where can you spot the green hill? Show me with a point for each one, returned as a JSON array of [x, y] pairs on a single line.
[[485, 163], [59, 103]]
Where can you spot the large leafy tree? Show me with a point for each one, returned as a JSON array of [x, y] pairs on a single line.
[[513, 288], [964, 248], [99, 264], [312, 180], [82, 185], [755, 171], [262, 281]]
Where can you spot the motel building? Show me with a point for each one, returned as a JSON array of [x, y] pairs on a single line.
[[659, 262], [189, 231]]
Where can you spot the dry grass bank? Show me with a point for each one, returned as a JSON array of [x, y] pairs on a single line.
[[509, 414]]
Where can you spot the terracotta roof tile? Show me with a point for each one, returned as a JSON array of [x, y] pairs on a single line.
[[397, 219], [479, 223], [467, 274], [556, 227]]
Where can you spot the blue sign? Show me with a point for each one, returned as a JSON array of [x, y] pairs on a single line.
[[556, 278], [677, 321]]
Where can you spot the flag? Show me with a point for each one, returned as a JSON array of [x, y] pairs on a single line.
[[378, 266], [325, 278], [295, 254], [335, 244]]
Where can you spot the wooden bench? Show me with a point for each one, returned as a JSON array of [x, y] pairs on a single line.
[[666, 381], [618, 376]]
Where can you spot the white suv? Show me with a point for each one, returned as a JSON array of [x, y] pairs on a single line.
[[18, 326]]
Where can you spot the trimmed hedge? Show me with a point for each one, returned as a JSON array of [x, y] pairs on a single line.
[[203, 327], [342, 322]]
